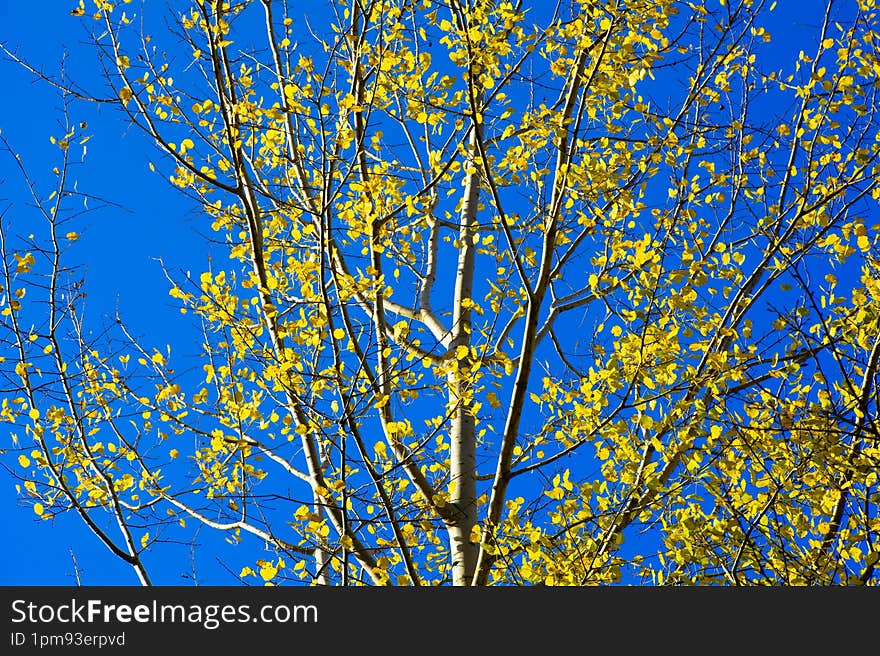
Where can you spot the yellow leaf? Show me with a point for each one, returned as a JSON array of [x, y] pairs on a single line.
[[268, 571], [381, 450], [24, 262], [34, 414], [38, 508], [125, 95], [24, 461], [72, 236]]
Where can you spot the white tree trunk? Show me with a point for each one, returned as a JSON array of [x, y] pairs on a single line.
[[463, 480]]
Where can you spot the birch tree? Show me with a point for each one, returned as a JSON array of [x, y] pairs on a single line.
[[512, 294]]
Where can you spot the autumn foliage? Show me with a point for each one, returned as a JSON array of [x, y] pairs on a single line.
[[574, 294]]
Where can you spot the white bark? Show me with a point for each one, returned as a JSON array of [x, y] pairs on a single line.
[[462, 458]]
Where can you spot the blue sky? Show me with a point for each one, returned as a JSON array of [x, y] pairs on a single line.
[[144, 220]]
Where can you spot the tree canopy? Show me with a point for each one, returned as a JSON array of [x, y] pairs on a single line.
[[512, 293]]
